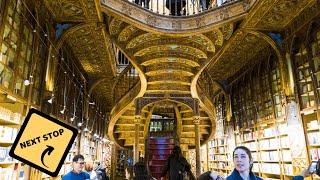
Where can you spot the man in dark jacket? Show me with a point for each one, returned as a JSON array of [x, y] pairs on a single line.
[[177, 166]]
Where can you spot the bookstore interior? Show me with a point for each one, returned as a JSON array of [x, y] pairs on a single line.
[[137, 77]]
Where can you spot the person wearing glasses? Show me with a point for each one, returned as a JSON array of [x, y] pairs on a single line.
[[77, 166]]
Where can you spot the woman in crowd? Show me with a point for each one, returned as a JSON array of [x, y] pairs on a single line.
[[243, 163], [177, 166], [89, 169]]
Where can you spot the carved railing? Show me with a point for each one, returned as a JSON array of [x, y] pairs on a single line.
[[206, 84], [196, 20], [180, 7], [127, 79]]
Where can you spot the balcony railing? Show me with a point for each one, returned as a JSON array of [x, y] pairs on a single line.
[[180, 7], [126, 81]]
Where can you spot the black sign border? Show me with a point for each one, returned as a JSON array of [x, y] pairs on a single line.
[[23, 126]]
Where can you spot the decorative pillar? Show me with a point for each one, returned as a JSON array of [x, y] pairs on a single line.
[[136, 139], [137, 118], [196, 121], [289, 87], [296, 138]]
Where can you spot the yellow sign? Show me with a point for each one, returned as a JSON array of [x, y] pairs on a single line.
[[43, 142]]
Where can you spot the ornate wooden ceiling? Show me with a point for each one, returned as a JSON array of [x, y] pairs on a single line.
[[170, 53], [252, 35], [89, 43]]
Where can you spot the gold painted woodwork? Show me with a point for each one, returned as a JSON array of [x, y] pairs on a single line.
[[166, 25], [169, 53]]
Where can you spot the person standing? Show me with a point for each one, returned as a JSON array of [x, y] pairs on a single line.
[[177, 166], [77, 173], [90, 171]]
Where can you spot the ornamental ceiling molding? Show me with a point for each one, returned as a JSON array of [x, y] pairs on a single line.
[[243, 49], [172, 47], [199, 39], [81, 32], [274, 15], [66, 34], [87, 43], [126, 33], [66, 10], [157, 23], [74, 10], [161, 60], [282, 13]]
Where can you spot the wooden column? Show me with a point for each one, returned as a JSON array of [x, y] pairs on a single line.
[[196, 121], [136, 139]]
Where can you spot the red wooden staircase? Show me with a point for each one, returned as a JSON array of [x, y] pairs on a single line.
[[159, 150]]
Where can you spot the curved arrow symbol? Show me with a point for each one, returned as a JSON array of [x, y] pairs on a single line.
[[49, 149]]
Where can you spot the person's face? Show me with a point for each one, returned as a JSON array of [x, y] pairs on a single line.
[[241, 161], [127, 174], [78, 166]]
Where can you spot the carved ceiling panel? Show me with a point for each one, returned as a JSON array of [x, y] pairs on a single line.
[[174, 54], [244, 48], [137, 41], [171, 60], [126, 33], [281, 14], [104, 92], [115, 26], [145, 40], [70, 10], [172, 47], [275, 14], [168, 77], [73, 10], [89, 47]]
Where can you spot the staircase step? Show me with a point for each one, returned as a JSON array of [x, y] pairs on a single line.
[[156, 175], [156, 162], [155, 169], [161, 141], [161, 146], [160, 151], [160, 156]]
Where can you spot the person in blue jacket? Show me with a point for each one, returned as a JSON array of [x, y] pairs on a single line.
[[77, 173], [243, 163]]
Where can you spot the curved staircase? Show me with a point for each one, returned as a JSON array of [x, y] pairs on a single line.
[[159, 150]]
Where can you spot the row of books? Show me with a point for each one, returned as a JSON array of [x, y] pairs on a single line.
[[217, 142], [4, 154], [315, 154], [8, 115], [313, 125], [8, 173], [7, 134], [313, 138]]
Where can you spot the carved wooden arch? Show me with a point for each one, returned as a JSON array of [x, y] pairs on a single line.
[[192, 103], [280, 55], [177, 26], [65, 35], [312, 28]]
